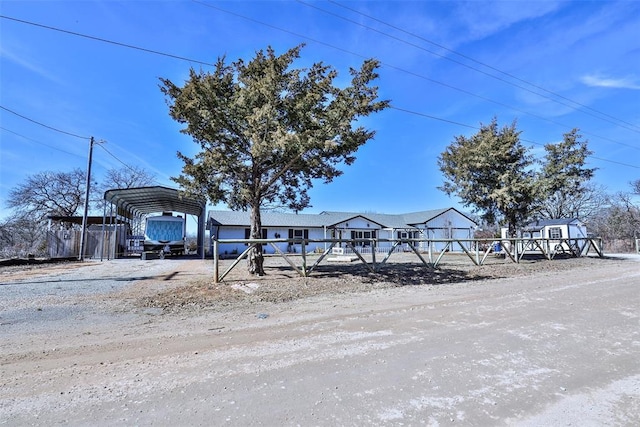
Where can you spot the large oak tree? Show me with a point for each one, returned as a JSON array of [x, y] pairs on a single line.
[[267, 130]]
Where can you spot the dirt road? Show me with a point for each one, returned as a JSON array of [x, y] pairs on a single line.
[[537, 350]]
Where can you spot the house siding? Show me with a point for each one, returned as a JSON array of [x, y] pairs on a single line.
[[448, 225], [238, 232], [438, 224]]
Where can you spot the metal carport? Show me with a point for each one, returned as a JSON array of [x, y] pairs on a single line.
[[141, 201]]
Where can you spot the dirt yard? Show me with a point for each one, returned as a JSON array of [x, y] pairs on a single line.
[[133, 342]]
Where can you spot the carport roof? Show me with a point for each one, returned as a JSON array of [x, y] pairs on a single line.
[[146, 200]]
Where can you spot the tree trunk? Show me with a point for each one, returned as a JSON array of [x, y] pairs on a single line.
[[512, 223], [255, 257]]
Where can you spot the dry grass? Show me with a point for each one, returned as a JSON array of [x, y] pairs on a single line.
[[282, 284]]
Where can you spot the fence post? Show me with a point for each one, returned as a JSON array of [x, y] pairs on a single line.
[[373, 253], [477, 247], [216, 266], [303, 248]]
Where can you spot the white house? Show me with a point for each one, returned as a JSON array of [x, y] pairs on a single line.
[[442, 224], [446, 223]]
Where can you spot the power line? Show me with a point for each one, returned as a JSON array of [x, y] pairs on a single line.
[[415, 74], [40, 143], [403, 110], [333, 47], [316, 41], [155, 52], [61, 131], [116, 158], [43, 125], [68, 152], [428, 116], [502, 104], [123, 163], [618, 120], [112, 155]]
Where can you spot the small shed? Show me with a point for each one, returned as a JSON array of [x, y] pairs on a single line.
[[561, 228]]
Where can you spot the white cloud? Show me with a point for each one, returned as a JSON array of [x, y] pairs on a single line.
[[484, 19], [32, 66], [609, 82]]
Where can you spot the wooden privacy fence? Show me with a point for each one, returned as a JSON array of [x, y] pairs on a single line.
[[476, 250], [98, 244]]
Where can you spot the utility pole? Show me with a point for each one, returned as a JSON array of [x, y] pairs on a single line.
[[86, 203]]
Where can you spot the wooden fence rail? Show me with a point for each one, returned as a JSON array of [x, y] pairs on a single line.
[[476, 250]]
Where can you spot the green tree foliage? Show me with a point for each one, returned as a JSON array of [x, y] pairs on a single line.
[[564, 178], [266, 130], [491, 171], [494, 173]]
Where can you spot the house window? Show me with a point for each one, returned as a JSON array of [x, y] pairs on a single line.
[[247, 234], [298, 233], [555, 233], [355, 234], [405, 235]]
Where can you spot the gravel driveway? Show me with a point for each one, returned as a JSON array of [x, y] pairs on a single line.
[[114, 343]]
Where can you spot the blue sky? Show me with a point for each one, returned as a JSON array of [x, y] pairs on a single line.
[[447, 67]]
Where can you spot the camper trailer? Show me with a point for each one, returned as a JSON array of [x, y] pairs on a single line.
[[164, 233]]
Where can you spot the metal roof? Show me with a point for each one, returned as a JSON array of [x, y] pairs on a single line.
[[541, 223], [269, 219], [146, 200], [78, 219], [383, 220], [324, 219]]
